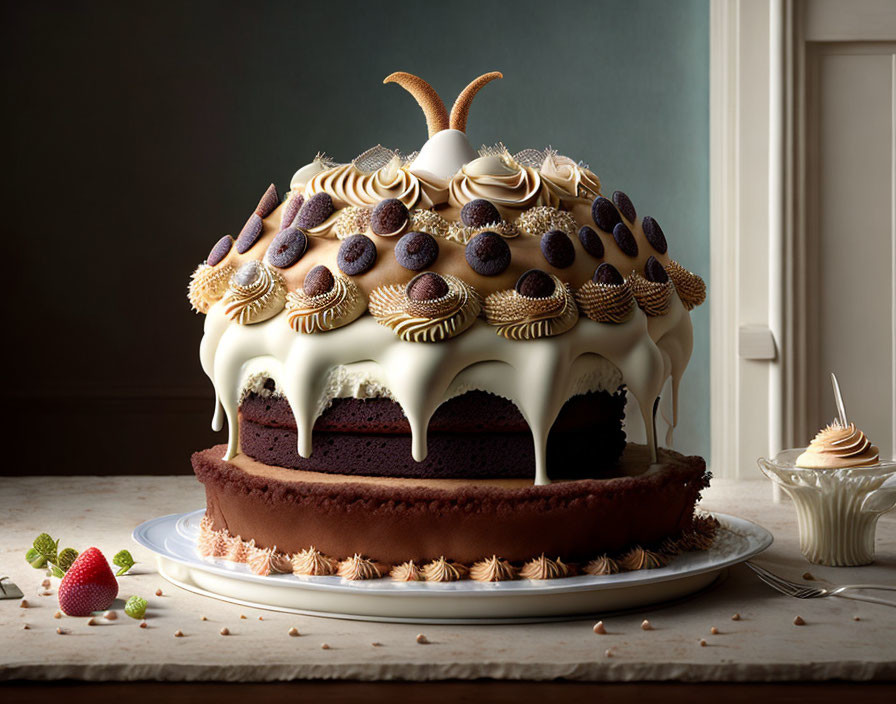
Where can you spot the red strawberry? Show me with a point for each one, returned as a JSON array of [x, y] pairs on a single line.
[[88, 586]]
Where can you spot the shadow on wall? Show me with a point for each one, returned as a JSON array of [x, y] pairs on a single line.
[[144, 133]]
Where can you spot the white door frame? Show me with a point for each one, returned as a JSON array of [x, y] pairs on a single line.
[[759, 294]]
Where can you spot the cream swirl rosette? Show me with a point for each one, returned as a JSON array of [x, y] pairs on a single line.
[[444, 307], [568, 181], [256, 292], [520, 317], [838, 446], [499, 180], [350, 186], [342, 303]]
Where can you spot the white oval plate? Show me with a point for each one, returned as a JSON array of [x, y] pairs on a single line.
[[173, 539]]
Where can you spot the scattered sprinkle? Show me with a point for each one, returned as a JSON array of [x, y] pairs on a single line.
[[293, 631], [224, 631], [714, 631], [58, 614], [377, 644], [45, 584], [646, 625], [324, 646], [110, 616], [798, 621], [91, 621], [178, 633], [702, 643], [203, 618], [608, 653], [260, 618], [736, 617], [242, 615], [808, 576], [143, 624], [61, 631], [158, 592], [23, 604], [422, 639], [599, 628]]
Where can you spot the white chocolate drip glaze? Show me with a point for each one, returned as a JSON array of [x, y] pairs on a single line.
[[539, 376]]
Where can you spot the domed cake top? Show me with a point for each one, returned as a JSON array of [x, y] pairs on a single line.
[[492, 231]]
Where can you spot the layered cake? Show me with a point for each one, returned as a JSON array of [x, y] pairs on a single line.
[[422, 364]]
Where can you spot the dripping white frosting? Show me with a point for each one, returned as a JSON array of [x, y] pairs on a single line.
[[365, 358]]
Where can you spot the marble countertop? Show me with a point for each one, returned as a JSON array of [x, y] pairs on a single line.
[[841, 638]]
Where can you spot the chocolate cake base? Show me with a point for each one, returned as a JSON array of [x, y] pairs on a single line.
[[475, 435], [393, 520]]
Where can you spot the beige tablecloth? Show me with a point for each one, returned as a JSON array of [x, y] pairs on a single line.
[[764, 645]]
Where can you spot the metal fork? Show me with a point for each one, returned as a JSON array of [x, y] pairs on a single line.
[[805, 591]]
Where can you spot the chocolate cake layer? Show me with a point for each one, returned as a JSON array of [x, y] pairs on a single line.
[[472, 412], [393, 520], [372, 437], [577, 454]]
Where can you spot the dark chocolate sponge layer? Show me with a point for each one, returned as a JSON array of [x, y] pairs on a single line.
[[393, 520], [472, 412], [576, 454], [476, 435]]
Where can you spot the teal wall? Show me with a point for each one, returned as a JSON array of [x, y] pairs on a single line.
[[624, 86]]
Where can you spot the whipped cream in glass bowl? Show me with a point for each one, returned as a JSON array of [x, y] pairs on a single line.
[[840, 488]]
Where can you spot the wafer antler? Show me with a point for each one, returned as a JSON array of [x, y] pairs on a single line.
[[426, 96], [461, 109]]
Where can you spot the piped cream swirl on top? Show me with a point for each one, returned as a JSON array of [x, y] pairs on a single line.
[[836, 447], [350, 186], [500, 180], [567, 181]]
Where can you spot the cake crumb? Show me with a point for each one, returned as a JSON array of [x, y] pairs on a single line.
[[46, 584], [324, 646], [376, 644], [23, 604], [714, 631], [178, 633], [702, 642], [224, 631], [798, 621], [856, 618], [608, 653], [599, 628], [422, 639], [736, 617], [293, 631], [91, 621], [58, 614], [143, 624], [203, 618], [61, 631], [243, 616], [646, 625], [110, 615], [26, 627], [260, 618], [808, 576]]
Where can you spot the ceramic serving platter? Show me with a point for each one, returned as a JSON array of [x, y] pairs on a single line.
[[173, 539]]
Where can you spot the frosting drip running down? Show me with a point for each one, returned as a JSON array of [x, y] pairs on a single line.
[[837, 447]]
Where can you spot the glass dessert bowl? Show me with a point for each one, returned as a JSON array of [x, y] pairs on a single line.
[[840, 488]]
